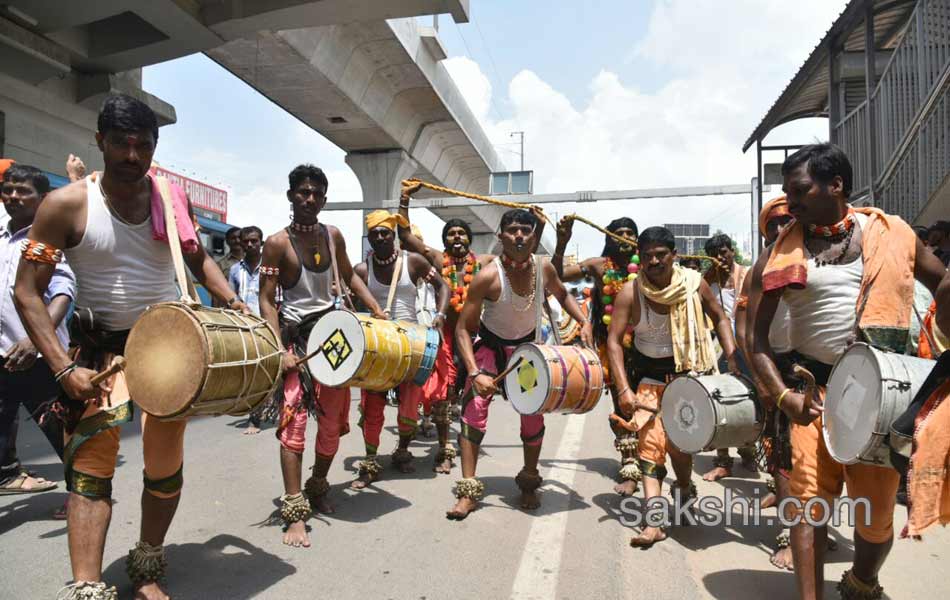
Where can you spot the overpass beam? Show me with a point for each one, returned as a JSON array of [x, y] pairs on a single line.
[[380, 175]]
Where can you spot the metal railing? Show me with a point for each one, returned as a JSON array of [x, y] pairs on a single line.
[[851, 134], [910, 76], [923, 164], [908, 108]]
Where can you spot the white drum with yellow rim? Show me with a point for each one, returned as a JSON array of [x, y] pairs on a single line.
[[357, 350]]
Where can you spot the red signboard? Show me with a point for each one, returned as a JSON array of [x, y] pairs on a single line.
[[202, 195]]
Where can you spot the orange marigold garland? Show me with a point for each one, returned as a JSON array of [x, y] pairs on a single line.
[[459, 286]]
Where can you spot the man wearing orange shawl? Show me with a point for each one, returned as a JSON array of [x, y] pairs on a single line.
[[843, 272]]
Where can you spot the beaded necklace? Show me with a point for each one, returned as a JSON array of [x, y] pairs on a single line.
[[384, 262], [839, 228], [613, 282], [303, 228], [459, 289]]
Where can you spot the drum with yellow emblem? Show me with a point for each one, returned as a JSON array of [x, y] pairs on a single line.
[[356, 350], [554, 379]]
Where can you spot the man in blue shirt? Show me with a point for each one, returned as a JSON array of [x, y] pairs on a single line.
[[245, 280], [25, 377], [245, 275]]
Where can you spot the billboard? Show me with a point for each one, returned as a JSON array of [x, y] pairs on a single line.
[[206, 200]]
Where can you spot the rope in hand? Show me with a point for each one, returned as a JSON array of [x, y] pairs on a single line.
[[509, 204]]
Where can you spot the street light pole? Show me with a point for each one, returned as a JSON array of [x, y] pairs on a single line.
[[521, 135]]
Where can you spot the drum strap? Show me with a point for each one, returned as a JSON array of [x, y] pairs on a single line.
[[555, 326], [341, 295], [397, 271], [185, 284], [541, 300]]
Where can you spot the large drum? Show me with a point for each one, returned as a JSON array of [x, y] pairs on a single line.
[[424, 344], [867, 390], [710, 412], [359, 351], [186, 360], [554, 379]]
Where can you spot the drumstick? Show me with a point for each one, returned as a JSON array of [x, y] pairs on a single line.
[[496, 380], [810, 386], [300, 361], [118, 364]]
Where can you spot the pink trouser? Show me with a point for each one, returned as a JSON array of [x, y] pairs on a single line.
[[475, 411], [372, 405], [333, 410]]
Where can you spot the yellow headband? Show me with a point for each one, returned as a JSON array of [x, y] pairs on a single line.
[[382, 218]]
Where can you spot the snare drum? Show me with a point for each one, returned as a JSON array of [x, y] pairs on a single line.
[[186, 360], [554, 379], [359, 351], [867, 390], [710, 412], [424, 343]]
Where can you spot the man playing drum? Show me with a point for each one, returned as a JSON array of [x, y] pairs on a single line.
[[667, 306], [308, 260], [510, 291], [774, 442], [107, 228], [725, 278], [380, 266], [458, 265], [844, 272], [617, 262]]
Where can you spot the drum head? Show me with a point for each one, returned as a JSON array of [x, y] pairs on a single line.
[[339, 336], [852, 404], [527, 386], [167, 356], [688, 414]]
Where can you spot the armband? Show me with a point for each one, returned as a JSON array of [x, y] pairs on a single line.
[[41, 252], [432, 274], [270, 271]]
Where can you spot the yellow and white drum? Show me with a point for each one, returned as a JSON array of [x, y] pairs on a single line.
[[554, 379], [359, 351], [186, 360]]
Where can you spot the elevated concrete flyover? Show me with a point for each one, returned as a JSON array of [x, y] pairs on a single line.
[[376, 90]]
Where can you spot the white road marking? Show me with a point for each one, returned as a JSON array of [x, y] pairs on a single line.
[[540, 566]]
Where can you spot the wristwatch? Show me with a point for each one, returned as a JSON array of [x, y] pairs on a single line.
[[231, 302]]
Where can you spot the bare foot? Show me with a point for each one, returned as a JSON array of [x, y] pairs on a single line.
[[321, 505], [462, 508], [782, 559], [444, 467], [648, 537], [363, 480], [717, 473], [251, 430], [769, 501], [151, 591], [297, 536], [626, 488], [529, 500]]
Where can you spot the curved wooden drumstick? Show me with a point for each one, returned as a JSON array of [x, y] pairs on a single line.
[[811, 388], [118, 364], [304, 359], [496, 380]]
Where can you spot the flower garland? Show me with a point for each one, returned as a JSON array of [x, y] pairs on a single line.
[[613, 282], [459, 289]]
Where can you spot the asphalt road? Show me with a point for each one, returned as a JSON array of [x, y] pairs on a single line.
[[393, 541]]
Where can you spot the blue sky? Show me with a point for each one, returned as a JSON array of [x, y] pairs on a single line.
[[628, 95]]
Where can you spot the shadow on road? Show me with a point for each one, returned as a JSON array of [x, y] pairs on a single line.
[[33, 507], [742, 584], [223, 567]]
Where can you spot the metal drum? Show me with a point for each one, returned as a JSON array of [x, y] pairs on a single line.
[[359, 351], [710, 412], [554, 379], [186, 360], [868, 389], [424, 343]]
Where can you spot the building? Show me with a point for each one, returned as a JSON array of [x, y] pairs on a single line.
[[881, 75], [690, 237]]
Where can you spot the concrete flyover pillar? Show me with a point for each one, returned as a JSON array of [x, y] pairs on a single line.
[[380, 175]]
